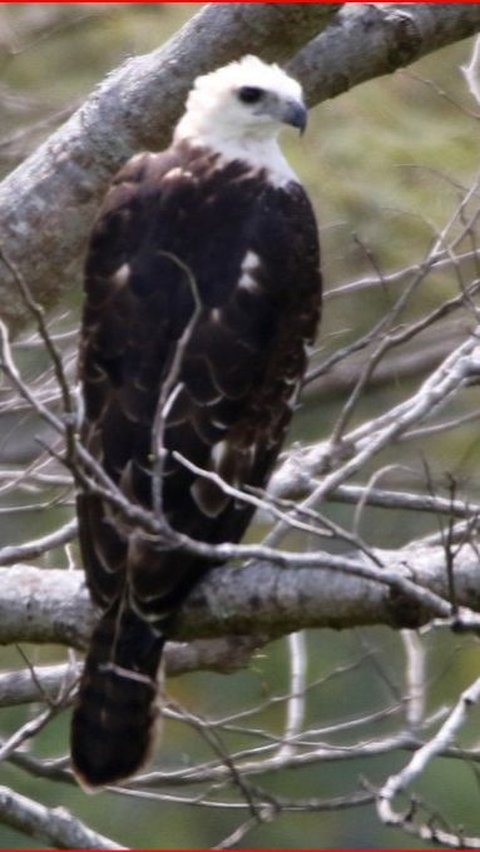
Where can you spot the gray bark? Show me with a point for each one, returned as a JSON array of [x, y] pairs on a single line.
[[46, 606], [54, 826], [368, 40], [47, 204]]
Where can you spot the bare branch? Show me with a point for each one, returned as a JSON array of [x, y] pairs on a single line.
[[135, 108], [286, 585], [54, 826], [427, 829], [43, 684], [143, 98], [39, 605], [368, 439], [11, 554], [368, 40]]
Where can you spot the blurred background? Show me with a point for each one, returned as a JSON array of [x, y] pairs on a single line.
[[387, 166]]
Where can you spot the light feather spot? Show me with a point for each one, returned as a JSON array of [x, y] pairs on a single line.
[[79, 396], [250, 264], [247, 282], [218, 453], [214, 401], [176, 173], [137, 158], [122, 275], [292, 400], [219, 424], [208, 497]]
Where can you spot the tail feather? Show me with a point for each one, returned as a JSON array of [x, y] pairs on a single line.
[[113, 725]]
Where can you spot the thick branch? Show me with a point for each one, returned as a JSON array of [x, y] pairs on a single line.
[[47, 203], [39, 605], [55, 826], [368, 40]]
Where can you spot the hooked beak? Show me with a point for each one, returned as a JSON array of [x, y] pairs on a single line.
[[296, 115]]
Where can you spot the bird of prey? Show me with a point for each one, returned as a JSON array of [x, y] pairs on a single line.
[[202, 296]]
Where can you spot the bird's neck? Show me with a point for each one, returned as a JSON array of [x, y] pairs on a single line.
[[261, 151]]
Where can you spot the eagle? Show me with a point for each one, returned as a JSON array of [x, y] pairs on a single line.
[[202, 298]]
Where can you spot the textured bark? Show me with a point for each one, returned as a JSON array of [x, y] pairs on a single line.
[[366, 41], [54, 826], [47, 204], [39, 605]]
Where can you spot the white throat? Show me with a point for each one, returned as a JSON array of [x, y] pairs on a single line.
[[260, 150]]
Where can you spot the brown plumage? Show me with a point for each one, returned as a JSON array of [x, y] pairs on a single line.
[[191, 218]]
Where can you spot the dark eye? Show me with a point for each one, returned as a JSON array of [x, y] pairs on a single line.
[[250, 94]]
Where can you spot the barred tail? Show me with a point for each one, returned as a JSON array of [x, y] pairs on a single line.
[[113, 725]]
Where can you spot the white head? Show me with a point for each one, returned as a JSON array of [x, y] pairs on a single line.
[[238, 110]]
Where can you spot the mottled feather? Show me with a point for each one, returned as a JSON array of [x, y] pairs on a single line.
[[249, 245]]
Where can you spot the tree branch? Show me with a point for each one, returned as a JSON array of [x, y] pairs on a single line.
[[46, 606], [46, 683], [48, 202], [428, 829], [368, 40], [296, 473], [54, 826]]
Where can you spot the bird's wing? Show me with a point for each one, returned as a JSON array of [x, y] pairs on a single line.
[[170, 238]]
